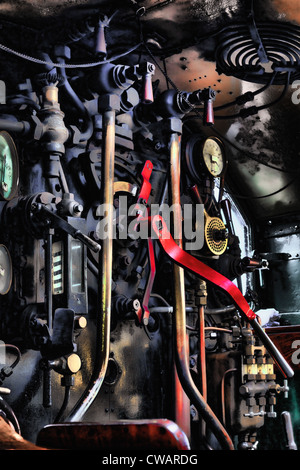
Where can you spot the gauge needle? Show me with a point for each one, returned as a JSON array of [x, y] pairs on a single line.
[[214, 160]]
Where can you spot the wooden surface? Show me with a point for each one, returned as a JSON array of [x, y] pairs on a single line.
[[138, 435]]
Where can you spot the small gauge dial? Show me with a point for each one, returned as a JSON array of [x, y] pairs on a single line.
[[9, 167], [5, 270], [214, 156]]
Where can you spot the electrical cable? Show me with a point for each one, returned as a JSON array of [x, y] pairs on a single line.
[[245, 97], [67, 66], [246, 111], [64, 405], [255, 109]]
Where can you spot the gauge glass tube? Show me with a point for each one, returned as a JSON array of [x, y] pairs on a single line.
[[77, 267]]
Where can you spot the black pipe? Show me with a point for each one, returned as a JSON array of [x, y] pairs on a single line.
[[201, 405], [20, 127]]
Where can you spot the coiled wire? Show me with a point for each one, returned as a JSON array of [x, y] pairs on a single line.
[[236, 53]]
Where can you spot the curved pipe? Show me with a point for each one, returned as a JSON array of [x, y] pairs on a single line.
[[192, 391], [105, 273], [10, 415], [180, 338], [87, 131]]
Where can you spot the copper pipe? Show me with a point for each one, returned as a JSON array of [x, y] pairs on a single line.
[[180, 338], [202, 351], [182, 410], [105, 272]]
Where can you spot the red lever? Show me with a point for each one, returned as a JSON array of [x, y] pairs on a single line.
[[187, 261], [144, 313], [190, 262], [146, 186]]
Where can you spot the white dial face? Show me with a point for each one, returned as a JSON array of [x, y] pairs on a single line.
[[213, 156]]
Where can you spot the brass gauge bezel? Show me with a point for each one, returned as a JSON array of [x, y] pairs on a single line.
[[196, 163]]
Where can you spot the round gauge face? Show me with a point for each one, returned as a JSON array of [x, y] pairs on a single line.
[[5, 270], [213, 155], [9, 167]]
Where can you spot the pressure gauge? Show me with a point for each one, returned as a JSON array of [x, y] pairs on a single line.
[[205, 156], [214, 156], [5, 270], [9, 166]]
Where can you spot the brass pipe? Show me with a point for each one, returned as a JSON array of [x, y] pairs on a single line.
[[105, 272], [180, 337], [202, 351], [182, 410], [202, 360]]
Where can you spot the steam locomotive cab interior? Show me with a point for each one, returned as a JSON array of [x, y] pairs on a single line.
[[150, 225]]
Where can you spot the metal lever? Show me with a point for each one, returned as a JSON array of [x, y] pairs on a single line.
[[144, 313], [147, 70], [289, 433], [187, 261], [100, 43], [58, 222], [284, 367], [100, 46], [207, 96], [226, 207], [208, 112]]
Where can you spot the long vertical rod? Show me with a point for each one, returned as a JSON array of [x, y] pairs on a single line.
[[105, 272], [202, 351], [47, 397], [181, 345], [202, 361], [182, 403]]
